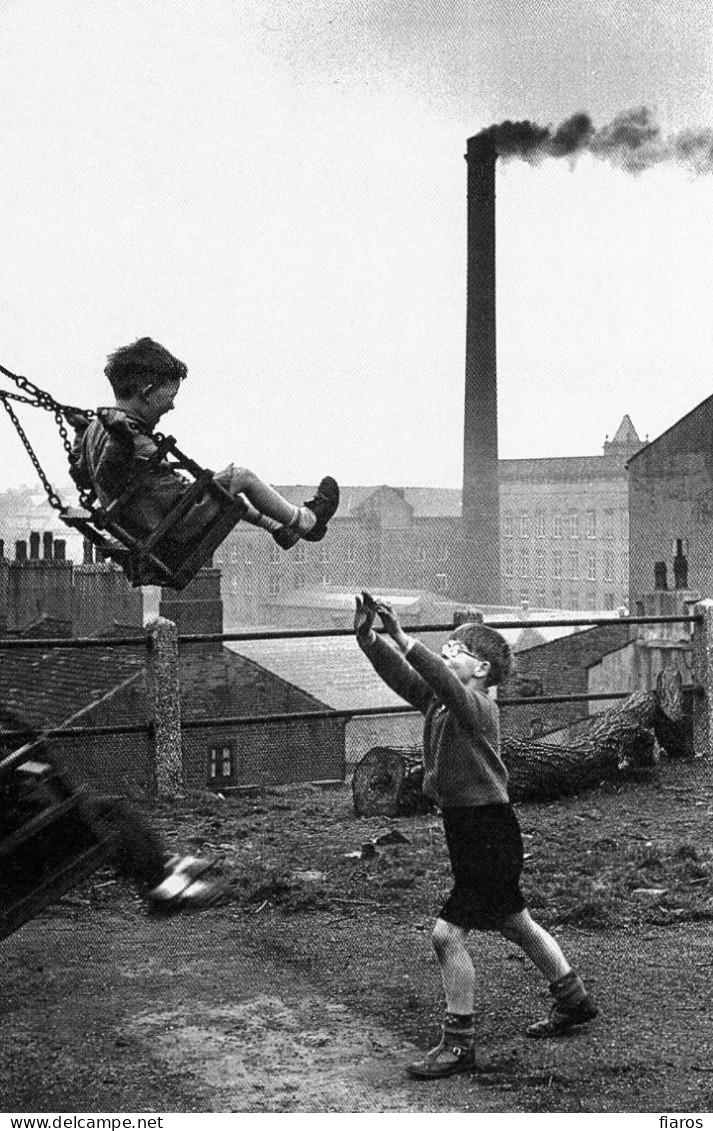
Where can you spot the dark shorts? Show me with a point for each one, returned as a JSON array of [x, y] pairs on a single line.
[[485, 847]]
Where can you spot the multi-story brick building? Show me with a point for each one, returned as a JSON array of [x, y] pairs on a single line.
[[563, 540], [671, 507]]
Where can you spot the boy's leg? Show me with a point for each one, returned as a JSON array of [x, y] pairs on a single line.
[[572, 1004], [455, 1052], [169, 882], [267, 507]]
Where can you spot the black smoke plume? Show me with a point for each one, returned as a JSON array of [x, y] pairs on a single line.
[[633, 141]]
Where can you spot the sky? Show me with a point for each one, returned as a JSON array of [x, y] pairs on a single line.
[[276, 191]]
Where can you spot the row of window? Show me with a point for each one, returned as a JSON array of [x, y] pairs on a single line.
[[573, 562], [570, 525], [245, 552], [571, 599]]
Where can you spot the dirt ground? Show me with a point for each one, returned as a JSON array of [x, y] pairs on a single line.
[[312, 983]]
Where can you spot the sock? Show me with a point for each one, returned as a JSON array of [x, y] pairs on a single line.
[[256, 519], [304, 520], [569, 990]]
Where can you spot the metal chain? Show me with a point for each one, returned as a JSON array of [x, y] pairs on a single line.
[[38, 398], [52, 496]]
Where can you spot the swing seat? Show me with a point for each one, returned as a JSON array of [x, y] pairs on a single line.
[[159, 559], [47, 845]]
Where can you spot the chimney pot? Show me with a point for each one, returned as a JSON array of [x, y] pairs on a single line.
[[47, 541], [660, 581], [34, 544], [60, 550], [21, 551]]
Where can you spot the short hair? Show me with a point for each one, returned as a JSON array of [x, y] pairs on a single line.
[[488, 645], [143, 362]]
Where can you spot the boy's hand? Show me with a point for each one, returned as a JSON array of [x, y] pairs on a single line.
[[364, 617], [392, 624]]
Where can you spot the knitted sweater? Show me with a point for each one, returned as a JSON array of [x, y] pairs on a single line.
[[109, 456], [461, 734]]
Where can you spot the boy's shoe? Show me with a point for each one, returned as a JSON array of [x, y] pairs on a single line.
[[572, 1006], [454, 1054], [323, 506], [182, 889], [286, 537]]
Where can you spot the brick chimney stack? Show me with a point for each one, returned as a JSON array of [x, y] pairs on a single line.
[[481, 502], [38, 587], [196, 609]]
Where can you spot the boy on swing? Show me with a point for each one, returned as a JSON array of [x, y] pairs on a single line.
[[146, 378], [464, 774]]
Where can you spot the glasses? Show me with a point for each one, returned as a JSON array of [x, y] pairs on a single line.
[[453, 648]]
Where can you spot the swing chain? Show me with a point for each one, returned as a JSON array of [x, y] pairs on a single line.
[[38, 398], [52, 496]]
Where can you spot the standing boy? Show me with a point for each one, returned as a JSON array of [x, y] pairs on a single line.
[[464, 774]]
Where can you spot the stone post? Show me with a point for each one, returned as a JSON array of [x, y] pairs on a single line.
[[164, 705], [703, 678]]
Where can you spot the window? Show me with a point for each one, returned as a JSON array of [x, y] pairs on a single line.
[[298, 579], [524, 524], [235, 553], [609, 524], [539, 564], [541, 597], [421, 554], [557, 563], [574, 566], [556, 525], [273, 584], [441, 582], [274, 556], [444, 554], [351, 553], [524, 561], [249, 549], [609, 566], [324, 553], [557, 597], [298, 554], [508, 525], [540, 524], [608, 601], [591, 566], [220, 763], [249, 583], [574, 525], [591, 524], [509, 562]]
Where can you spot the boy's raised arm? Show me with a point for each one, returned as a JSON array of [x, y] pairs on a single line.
[[395, 671], [430, 668]]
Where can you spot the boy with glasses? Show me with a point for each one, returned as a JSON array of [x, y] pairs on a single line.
[[465, 775]]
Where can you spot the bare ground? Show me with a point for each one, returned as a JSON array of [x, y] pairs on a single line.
[[313, 982]]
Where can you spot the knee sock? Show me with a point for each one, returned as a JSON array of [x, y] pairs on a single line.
[[569, 991], [256, 519], [303, 521]]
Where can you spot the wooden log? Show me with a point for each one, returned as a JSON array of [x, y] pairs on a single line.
[[624, 742]]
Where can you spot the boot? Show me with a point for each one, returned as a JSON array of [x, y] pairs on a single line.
[[572, 1006], [455, 1053]]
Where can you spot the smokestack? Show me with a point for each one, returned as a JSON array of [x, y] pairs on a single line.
[[481, 503], [47, 540], [34, 544]]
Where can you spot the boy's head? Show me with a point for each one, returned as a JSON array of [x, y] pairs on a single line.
[[144, 365], [488, 645]]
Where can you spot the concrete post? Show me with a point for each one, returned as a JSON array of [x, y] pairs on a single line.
[[164, 704], [703, 678]]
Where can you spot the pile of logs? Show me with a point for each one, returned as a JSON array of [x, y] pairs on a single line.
[[624, 742]]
